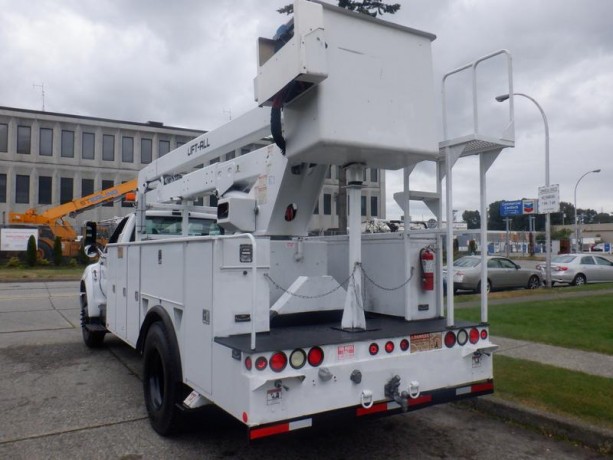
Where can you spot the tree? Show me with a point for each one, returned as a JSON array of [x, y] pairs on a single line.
[[371, 8], [603, 218], [57, 251], [31, 251], [472, 219]]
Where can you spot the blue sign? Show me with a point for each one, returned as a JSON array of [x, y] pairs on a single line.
[[511, 208]]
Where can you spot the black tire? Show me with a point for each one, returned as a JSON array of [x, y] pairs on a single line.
[[162, 380], [534, 282], [489, 287], [45, 251], [579, 280], [93, 339]]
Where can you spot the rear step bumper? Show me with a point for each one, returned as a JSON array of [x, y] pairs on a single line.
[[383, 408]]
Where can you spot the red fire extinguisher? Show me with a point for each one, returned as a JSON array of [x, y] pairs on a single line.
[[426, 257]]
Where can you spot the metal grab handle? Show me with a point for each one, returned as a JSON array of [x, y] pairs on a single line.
[[366, 399], [414, 385]]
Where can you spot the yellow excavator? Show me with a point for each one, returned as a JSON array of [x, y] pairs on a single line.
[[51, 223]]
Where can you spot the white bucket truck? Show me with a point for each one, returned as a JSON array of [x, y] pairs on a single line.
[[276, 328]]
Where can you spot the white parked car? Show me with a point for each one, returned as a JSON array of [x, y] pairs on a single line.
[[578, 269]]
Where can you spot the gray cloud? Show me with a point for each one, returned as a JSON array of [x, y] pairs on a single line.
[[191, 63]]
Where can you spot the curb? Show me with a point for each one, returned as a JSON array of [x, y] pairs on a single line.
[[597, 438]]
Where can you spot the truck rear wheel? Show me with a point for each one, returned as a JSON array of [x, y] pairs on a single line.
[[162, 383]]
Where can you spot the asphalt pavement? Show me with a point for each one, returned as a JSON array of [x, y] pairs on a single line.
[[48, 368]]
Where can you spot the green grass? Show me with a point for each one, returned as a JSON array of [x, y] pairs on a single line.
[[555, 390], [41, 274], [558, 291], [584, 323]]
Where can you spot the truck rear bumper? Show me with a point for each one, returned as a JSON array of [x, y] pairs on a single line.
[[378, 409]]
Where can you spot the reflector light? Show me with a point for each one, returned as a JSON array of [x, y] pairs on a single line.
[[373, 349], [389, 346], [449, 339], [404, 344], [316, 356], [483, 334], [248, 363], [474, 335], [261, 363], [297, 359], [278, 361], [462, 337]]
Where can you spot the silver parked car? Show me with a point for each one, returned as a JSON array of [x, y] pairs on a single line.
[[502, 273], [578, 269]]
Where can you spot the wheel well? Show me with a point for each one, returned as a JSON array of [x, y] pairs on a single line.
[[154, 315]]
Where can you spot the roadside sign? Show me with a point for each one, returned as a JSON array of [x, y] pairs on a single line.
[[511, 208], [549, 199], [529, 206], [16, 239]]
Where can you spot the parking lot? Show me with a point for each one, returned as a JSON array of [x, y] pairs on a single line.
[[59, 399]]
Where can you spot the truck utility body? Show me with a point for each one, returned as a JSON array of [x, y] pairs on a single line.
[[277, 328]]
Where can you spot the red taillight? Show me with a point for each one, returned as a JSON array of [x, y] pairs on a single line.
[[389, 346], [278, 361], [248, 363], [561, 268], [449, 339], [316, 356], [404, 344], [473, 336], [260, 363], [373, 349], [483, 334]]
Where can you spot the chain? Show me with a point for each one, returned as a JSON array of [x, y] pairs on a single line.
[[300, 296], [355, 268], [386, 288]]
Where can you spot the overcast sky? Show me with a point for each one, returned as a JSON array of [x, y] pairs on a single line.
[[191, 63]]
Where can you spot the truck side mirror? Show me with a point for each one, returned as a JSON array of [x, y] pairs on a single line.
[[90, 239]]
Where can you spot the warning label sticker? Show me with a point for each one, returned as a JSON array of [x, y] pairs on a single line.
[[426, 342], [345, 352], [273, 396]]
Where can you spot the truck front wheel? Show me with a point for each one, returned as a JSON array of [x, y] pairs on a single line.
[[162, 379], [92, 338]]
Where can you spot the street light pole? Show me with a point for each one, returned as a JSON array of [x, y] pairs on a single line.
[[547, 215], [576, 221]]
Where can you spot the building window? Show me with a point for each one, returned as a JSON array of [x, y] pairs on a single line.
[[164, 148], [4, 137], [374, 175], [68, 144], [316, 210], [363, 205], [2, 188], [22, 189], [213, 201], [327, 204], [88, 147], [107, 184], [46, 142], [230, 155], [108, 147], [374, 206], [87, 187], [124, 202], [127, 149], [66, 187], [364, 174], [24, 135], [329, 172], [145, 151], [44, 190]]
